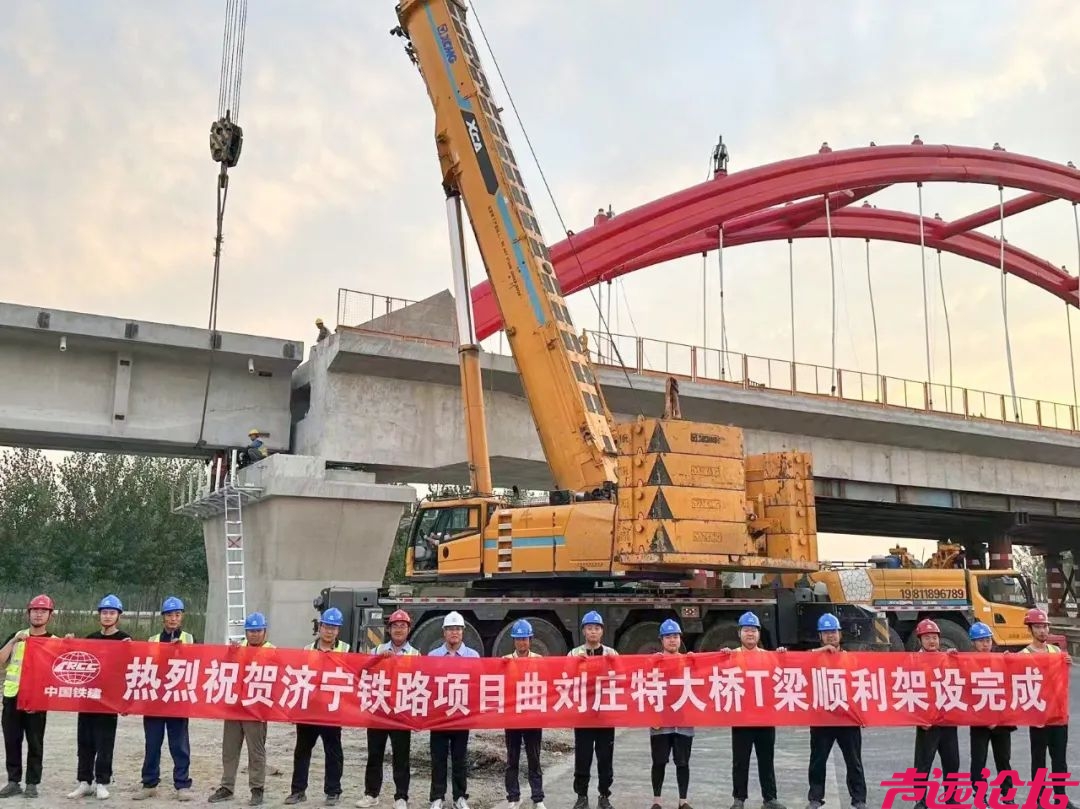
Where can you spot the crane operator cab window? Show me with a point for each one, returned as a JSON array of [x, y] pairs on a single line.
[[1002, 589], [434, 526]]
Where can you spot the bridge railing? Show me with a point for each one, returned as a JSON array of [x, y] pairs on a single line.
[[355, 306]]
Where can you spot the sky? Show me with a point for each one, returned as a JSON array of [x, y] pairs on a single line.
[[108, 191]]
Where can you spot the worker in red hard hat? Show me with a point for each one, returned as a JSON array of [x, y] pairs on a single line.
[[18, 723], [1053, 738], [932, 741], [398, 626]]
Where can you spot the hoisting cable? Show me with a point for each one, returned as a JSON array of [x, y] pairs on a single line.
[[873, 320], [926, 305], [1068, 318], [791, 299], [551, 196], [1005, 298], [948, 331], [832, 288], [705, 312], [226, 140], [723, 320]]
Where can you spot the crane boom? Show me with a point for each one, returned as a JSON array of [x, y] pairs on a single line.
[[567, 404]]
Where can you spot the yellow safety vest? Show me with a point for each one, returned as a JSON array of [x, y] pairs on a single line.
[[266, 645], [340, 646], [14, 669], [185, 637], [1050, 649], [582, 651]]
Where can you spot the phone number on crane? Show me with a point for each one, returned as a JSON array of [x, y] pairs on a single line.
[[956, 593]]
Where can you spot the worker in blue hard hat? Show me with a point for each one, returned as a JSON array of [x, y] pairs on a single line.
[[983, 737], [452, 744], [848, 739], [330, 623], [236, 732], [587, 741], [96, 732], [760, 741], [522, 634], [674, 742], [175, 727]]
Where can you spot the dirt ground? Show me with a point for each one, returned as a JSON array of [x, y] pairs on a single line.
[[486, 757]]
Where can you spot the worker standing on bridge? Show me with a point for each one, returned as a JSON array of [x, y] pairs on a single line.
[[18, 723], [761, 741], [330, 623], [398, 625], [452, 743], [236, 732], [1054, 738], [590, 740], [96, 732], [674, 743], [156, 727], [522, 633], [985, 736], [940, 740], [848, 739]]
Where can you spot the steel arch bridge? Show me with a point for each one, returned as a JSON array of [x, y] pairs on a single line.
[[786, 200]]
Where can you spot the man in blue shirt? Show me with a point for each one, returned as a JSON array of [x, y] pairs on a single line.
[[452, 743]]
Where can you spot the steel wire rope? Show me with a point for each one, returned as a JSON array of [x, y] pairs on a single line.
[[926, 305], [1068, 321], [873, 321], [791, 295], [948, 332], [832, 289], [723, 317], [1005, 299]]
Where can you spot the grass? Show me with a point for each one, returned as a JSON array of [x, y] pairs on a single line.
[[76, 607]]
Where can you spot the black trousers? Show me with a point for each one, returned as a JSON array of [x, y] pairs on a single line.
[[1054, 739], [455, 745], [96, 734], [1000, 739], [671, 745], [586, 741], [514, 740], [849, 740], [306, 736], [763, 742], [934, 742], [400, 744], [18, 724]]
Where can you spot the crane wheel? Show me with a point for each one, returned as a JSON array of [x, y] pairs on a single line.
[[547, 639], [640, 639], [896, 643], [723, 634], [428, 635]]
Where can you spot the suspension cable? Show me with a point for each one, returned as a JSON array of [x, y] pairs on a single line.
[[832, 288], [723, 321], [791, 293], [926, 304], [1005, 299], [873, 320], [705, 312], [948, 331], [1068, 315]]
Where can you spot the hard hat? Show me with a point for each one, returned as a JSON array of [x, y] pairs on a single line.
[[521, 629], [41, 602], [669, 627], [453, 619], [927, 627], [592, 617], [828, 623], [110, 602], [332, 617], [399, 615], [253, 431], [979, 630], [1036, 616], [255, 622], [318, 321], [749, 619], [172, 604]]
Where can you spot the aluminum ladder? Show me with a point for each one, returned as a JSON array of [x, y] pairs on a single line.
[[235, 580]]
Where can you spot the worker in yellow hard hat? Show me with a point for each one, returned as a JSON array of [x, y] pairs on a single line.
[[257, 449], [323, 331]]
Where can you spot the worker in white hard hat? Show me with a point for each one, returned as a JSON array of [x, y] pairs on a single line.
[[452, 743]]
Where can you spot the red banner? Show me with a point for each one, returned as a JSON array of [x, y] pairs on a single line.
[[425, 693]]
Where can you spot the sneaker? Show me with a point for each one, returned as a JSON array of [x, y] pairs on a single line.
[[401, 803], [145, 794], [82, 790], [367, 801], [296, 797], [818, 804], [256, 797], [30, 791], [12, 788], [539, 805], [603, 802], [513, 804], [331, 800], [184, 794], [773, 804], [582, 802], [436, 804], [101, 792], [738, 804], [220, 794], [461, 803]]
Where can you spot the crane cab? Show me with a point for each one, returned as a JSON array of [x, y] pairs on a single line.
[[446, 538]]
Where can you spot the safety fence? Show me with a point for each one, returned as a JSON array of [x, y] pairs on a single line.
[[355, 306]]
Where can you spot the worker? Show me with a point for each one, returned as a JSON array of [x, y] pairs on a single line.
[[1053, 738], [398, 625], [940, 740], [96, 732], [18, 723], [848, 739], [673, 742], [155, 728], [330, 623], [236, 732], [522, 633], [984, 736], [323, 331], [452, 743], [256, 449], [759, 740], [590, 740]]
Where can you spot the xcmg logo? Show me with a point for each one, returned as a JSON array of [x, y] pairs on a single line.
[[76, 668], [447, 45]]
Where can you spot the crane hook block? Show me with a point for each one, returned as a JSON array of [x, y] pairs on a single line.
[[226, 140]]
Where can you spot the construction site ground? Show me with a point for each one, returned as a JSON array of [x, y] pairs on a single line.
[[885, 751]]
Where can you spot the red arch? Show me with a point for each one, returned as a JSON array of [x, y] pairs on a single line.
[[680, 223]]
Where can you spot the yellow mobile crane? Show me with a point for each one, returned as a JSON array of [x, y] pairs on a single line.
[[639, 506]]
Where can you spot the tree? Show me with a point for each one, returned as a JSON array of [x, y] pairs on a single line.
[[1033, 567]]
